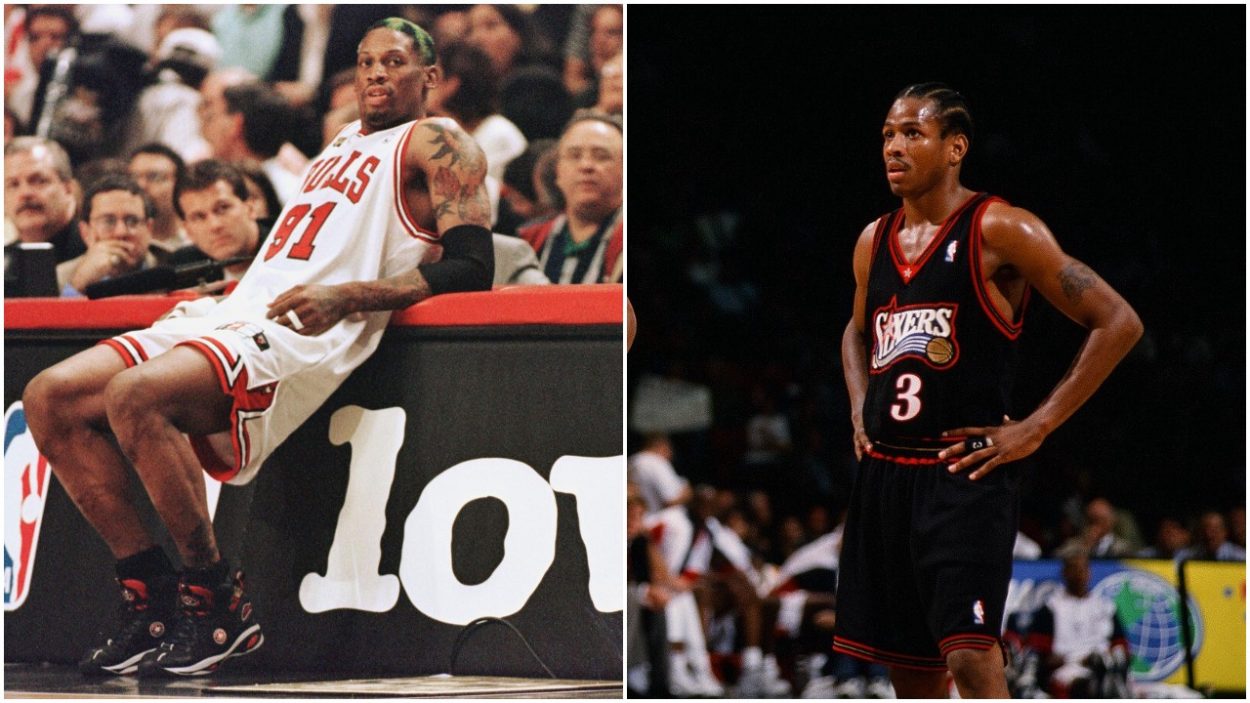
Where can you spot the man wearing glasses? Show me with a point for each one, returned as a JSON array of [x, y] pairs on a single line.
[[156, 167], [117, 228]]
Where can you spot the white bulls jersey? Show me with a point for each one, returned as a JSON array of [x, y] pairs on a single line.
[[349, 222]]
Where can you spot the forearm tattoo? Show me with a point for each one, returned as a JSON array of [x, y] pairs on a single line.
[[1075, 279], [456, 187]]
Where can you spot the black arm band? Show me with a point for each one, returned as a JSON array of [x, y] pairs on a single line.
[[468, 261]]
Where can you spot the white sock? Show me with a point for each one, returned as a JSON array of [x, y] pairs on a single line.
[[752, 657]]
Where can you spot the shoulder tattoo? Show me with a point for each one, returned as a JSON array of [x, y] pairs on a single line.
[[455, 147], [456, 187], [1075, 279]]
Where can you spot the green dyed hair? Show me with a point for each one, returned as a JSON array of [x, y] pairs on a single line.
[[422, 42]]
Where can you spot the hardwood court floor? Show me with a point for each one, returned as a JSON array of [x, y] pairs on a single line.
[[61, 681]]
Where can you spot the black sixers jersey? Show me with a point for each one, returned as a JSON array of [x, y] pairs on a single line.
[[940, 354]]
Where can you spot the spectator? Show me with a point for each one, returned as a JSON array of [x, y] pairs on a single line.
[[211, 199], [577, 70], [649, 593], [260, 193], [343, 107], [1237, 526], [12, 126], [156, 168], [583, 244], [1098, 538], [300, 67], [611, 95], [1212, 541], [39, 199], [651, 469], [519, 202], [221, 124], [251, 123], [469, 94], [1170, 538], [768, 436], [173, 17], [47, 29], [537, 102], [117, 229], [607, 40], [515, 263], [252, 36], [167, 111], [450, 27], [1078, 639], [507, 36]]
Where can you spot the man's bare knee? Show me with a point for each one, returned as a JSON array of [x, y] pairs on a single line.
[[53, 405], [978, 673], [913, 683], [128, 403]]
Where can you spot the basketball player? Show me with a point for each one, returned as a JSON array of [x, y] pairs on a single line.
[[358, 241], [941, 287]]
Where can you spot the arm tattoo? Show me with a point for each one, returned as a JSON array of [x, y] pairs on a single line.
[[450, 194], [1075, 279], [451, 142]]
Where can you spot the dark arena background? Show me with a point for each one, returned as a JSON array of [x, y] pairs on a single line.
[[755, 161]]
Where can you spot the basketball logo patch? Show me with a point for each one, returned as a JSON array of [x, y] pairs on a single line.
[[27, 476]]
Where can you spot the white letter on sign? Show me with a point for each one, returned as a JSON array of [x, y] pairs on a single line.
[[596, 483], [529, 547], [352, 579]]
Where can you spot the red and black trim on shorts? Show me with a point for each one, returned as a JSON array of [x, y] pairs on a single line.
[[915, 451], [966, 640], [246, 404], [866, 652], [233, 378], [131, 352]]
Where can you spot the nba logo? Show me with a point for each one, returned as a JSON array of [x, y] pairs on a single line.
[[950, 250], [978, 613], [26, 479]]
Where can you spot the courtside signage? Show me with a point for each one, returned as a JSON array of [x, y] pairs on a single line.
[[26, 479]]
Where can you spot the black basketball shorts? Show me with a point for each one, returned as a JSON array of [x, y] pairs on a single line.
[[926, 560]]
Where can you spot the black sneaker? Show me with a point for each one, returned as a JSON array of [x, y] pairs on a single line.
[[211, 626], [146, 612]]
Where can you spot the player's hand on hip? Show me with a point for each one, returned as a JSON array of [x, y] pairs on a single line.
[[861, 441], [309, 310], [991, 446]]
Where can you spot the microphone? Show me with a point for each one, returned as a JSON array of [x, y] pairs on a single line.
[[162, 278]]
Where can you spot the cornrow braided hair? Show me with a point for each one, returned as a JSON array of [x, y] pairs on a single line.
[[953, 110], [422, 42]]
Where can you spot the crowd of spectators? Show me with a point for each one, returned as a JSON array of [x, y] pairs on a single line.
[[774, 522], [148, 93]]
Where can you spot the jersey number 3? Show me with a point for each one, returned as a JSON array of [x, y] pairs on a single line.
[[302, 249], [908, 405]]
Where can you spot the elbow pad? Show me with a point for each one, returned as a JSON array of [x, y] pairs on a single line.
[[468, 261]]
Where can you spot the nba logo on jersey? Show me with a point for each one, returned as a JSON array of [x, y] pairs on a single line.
[[950, 250], [978, 613], [26, 479]]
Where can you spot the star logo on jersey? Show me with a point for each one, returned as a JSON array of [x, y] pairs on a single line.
[[907, 274], [27, 476], [925, 332]]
